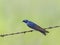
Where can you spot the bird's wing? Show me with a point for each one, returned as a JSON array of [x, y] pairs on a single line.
[[36, 27]]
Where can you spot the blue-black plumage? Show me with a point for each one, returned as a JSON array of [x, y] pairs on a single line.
[[35, 26]]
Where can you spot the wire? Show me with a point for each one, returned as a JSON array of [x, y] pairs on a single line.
[[3, 35]]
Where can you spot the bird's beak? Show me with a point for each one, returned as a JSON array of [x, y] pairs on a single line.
[[23, 21]]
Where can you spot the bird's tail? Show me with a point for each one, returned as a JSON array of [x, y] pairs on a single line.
[[47, 31], [44, 32]]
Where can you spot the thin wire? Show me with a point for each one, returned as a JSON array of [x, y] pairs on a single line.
[[3, 35]]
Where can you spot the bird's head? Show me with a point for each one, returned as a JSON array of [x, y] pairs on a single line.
[[25, 21]]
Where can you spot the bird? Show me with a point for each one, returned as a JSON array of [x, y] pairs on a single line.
[[36, 27]]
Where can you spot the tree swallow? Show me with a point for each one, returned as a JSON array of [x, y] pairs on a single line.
[[34, 26]]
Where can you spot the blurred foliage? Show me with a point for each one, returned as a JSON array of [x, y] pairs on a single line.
[[43, 12]]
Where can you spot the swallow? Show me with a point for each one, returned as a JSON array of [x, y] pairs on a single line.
[[34, 26]]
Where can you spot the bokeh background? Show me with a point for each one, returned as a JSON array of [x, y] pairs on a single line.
[[43, 12]]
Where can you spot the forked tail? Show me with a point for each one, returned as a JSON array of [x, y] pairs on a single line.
[[44, 32]]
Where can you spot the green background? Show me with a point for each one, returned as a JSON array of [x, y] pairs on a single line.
[[43, 12]]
